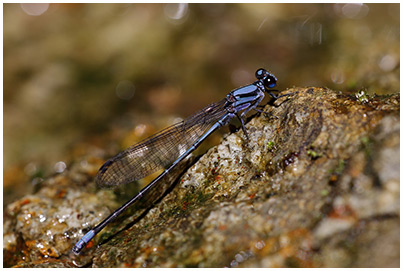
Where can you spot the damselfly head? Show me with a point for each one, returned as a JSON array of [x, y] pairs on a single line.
[[268, 79]]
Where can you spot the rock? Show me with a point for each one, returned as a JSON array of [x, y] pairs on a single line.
[[317, 185]]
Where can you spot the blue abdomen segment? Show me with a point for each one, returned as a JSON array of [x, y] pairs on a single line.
[[83, 242]]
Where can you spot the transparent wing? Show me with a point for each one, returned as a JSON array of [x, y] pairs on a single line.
[[159, 150]]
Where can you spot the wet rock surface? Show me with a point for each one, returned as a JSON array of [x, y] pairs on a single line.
[[317, 185]]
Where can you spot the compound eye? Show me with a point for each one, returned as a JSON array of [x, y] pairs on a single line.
[[270, 81], [261, 73]]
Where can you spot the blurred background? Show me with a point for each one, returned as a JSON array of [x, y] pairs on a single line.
[[84, 80]]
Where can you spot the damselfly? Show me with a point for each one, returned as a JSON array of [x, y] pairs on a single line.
[[173, 144]]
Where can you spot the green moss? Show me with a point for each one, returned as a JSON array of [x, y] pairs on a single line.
[[363, 96], [340, 167], [313, 154], [271, 145]]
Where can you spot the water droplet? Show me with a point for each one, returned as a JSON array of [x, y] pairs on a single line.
[[355, 10], [125, 90], [42, 218], [260, 244], [337, 77], [387, 63], [59, 167], [176, 12], [234, 263], [30, 169], [34, 9]]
